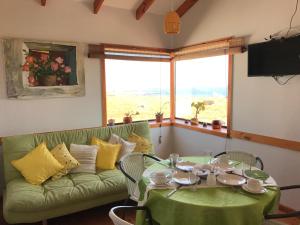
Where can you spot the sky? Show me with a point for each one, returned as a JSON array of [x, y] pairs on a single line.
[[126, 75]]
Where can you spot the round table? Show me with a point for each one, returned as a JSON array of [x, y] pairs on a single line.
[[208, 205]]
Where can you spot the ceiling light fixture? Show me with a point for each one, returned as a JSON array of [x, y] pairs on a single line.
[[172, 22]]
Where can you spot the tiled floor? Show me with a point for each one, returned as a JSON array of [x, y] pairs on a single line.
[[99, 216]]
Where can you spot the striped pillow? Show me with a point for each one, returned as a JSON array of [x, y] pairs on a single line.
[[86, 156]]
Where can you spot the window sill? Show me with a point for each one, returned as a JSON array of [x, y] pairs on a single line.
[[164, 123], [181, 124], [199, 128]]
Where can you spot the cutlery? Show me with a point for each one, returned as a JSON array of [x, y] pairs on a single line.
[[172, 192]]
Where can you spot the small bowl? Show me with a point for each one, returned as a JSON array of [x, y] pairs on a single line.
[[160, 178]]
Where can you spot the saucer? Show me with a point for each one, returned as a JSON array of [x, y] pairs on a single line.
[[185, 178], [185, 166], [261, 191], [231, 179]]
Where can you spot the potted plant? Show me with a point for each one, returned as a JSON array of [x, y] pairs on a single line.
[[45, 71], [128, 117], [199, 106], [159, 116]]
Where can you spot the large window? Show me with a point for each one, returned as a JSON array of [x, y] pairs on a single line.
[[137, 86], [202, 79]]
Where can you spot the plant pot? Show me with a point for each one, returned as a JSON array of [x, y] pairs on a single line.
[[47, 80], [127, 119], [194, 121], [159, 118], [216, 124]]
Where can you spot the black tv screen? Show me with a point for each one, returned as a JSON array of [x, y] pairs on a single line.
[[274, 58]]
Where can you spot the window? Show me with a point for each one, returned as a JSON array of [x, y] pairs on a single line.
[[202, 79], [137, 86]]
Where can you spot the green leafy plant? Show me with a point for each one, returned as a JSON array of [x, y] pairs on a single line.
[[131, 113], [160, 112], [200, 106]]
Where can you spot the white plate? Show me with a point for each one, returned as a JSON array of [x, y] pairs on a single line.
[[185, 166], [261, 191], [185, 178], [160, 177], [231, 179]]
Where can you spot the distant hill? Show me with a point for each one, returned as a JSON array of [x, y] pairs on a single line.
[[194, 92]]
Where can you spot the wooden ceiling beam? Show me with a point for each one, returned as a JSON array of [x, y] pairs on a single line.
[[97, 5], [142, 9], [185, 6], [43, 2]]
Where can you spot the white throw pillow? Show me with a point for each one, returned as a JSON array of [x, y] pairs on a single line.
[[127, 147], [86, 155]]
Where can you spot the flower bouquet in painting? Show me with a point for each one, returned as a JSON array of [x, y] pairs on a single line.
[[46, 68]]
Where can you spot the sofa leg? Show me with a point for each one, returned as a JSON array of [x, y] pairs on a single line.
[[44, 222]]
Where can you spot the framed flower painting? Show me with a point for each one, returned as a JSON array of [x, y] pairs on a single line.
[[37, 69]]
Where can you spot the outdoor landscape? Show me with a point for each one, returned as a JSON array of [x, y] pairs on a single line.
[[147, 88], [148, 105]]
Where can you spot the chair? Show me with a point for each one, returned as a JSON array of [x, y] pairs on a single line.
[[119, 221], [132, 166], [244, 157], [269, 217]]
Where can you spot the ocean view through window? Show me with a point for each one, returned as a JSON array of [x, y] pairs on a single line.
[[137, 86], [202, 79]]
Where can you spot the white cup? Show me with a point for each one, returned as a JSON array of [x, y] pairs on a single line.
[[254, 184]]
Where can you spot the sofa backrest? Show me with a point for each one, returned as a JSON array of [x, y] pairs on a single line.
[[15, 147]]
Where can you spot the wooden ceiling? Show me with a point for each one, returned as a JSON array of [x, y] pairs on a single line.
[[143, 7]]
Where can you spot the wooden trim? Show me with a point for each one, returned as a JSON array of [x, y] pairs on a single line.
[[103, 89], [262, 139], [229, 94], [165, 123], [185, 6], [209, 53], [136, 49], [207, 130], [206, 42], [172, 89], [142, 9], [133, 58], [97, 5], [43, 2], [231, 45], [96, 52]]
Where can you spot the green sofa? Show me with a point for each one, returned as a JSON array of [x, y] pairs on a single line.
[[27, 203]]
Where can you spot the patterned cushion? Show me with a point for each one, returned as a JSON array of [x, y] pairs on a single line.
[[62, 155]]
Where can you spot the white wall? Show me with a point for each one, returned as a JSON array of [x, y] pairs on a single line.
[[259, 104], [68, 20]]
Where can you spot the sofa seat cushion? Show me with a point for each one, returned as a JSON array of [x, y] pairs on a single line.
[[22, 196]]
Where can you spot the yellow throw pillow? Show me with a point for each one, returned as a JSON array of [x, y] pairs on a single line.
[[63, 156], [38, 165], [107, 154], [142, 144]]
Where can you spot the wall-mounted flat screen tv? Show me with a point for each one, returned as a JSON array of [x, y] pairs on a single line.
[[274, 58]]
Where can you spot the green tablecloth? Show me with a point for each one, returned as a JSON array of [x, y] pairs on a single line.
[[207, 206]]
